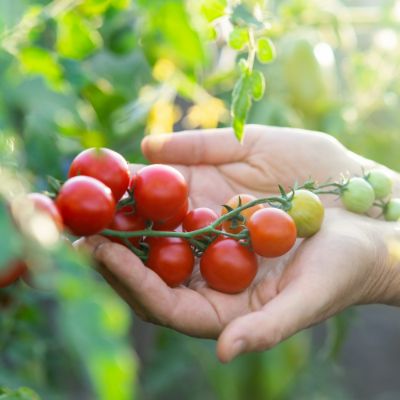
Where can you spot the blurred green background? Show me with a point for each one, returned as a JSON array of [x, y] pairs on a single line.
[[76, 74]]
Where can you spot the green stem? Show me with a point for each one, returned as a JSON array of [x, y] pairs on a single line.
[[252, 50], [141, 254], [203, 231]]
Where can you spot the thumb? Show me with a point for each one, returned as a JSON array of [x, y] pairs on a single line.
[[213, 146], [290, 311]]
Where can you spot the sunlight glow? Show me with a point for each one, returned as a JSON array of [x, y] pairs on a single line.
[[386, 39], [324, 54]]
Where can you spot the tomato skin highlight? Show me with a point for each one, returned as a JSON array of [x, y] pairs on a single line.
[[307, 212], [199, 218], [358, 196], [105, 165], [13, 271], [173, 222], [272, 232], [159, 191], [86, 205], [126, 220], [233, 202], [228, 266], [46, 205], [171, 258]]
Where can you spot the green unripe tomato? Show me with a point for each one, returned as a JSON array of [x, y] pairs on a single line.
[[358, 196], [392, 210], [380, 182], [307, 212]]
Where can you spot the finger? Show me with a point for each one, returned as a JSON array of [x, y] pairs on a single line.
[[89, 245], [291, 311], [121, 289], [198, 147], [180, 308]]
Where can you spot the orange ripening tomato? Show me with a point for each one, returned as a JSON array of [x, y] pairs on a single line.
[[247, 213], [272, 232]]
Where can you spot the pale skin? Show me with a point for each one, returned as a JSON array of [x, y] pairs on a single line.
[[348, 262]]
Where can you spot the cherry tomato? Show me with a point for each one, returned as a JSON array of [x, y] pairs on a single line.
[[199, 218], [132, 182], [173, 222], [159, 190], [11, 272], [380, 182], [391, 212], [126, 220], [272, 232], [86, 205], [247, 213], [44, 204], [358, 196], [228, 266], [105, 165], [171, 258], [307, 212]]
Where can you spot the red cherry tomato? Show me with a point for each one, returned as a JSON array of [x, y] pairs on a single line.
[[272, 232], [171, 258], [247, 213], [228, 266], [44, 204], [105, 165], [11, 273], [199, 218], [126, 220], [173, 222], [132, 182], [159, 191], [86, 205]]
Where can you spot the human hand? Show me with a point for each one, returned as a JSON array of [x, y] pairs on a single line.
[[345, 263], [217, 166], [286, 295]]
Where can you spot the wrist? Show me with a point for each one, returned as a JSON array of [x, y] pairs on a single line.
[[389, 263]]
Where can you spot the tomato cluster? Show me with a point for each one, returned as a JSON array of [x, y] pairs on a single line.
[[148, 211], [359, 195]]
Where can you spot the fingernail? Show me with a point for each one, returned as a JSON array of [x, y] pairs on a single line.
[[238, 347]]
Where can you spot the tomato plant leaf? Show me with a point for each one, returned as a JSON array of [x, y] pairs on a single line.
[[241, 15], [265, 50], [238, 38], [257, 85], [213, 9], [241, 103]]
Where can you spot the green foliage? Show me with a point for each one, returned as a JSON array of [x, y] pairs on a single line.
[[265, 50], [238, 38], [103, 72], [11, 243], [19, 394]]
